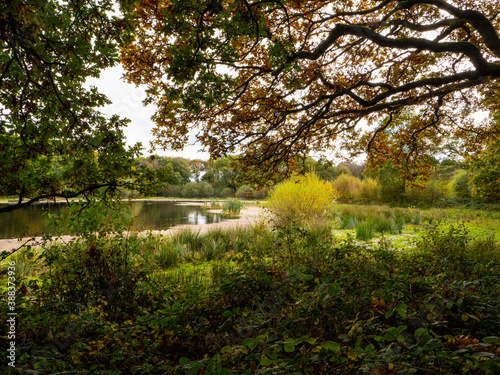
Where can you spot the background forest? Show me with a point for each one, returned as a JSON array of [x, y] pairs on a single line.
[[449, 182]]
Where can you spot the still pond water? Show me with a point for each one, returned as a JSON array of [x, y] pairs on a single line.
[[32, 220]]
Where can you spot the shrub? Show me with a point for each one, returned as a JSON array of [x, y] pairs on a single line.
[[460, 185], [197, 190], [226, 192], [485, 172], [171, 191], [205, 190], [305, 200], [434, 191], [348, 187], [247, 192], [261, 194], [369, 190], [98, 265], [129, 194], [455, 252], [190, 190], [244, 192]]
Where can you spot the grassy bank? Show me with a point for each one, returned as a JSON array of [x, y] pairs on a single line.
[[421, 296]]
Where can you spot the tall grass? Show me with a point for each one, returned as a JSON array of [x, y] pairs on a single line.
[[25, 264], [170, 255], [190, 239], [376, 219], [232, 206], [187, 246], [215, 204], [364, 231]]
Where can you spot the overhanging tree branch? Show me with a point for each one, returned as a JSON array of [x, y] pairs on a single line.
[[69, 195], [323, 69]]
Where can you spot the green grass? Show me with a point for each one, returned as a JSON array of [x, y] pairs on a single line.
[[364, 231]]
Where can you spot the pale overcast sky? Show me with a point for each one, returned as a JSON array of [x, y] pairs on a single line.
[[127, 103]]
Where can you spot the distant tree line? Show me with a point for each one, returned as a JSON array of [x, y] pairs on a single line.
[[195, 178], [450, 181]]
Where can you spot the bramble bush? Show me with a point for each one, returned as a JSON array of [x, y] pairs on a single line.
[[98, 265]]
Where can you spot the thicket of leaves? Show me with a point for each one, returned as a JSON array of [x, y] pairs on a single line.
[[48, 50]]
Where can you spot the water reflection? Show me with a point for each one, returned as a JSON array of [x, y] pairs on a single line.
[[196, 218], [155, 215]]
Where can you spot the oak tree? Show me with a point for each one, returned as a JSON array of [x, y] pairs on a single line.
[[279, 80], [48, 117]]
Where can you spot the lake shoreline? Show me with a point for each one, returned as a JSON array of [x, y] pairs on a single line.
[[250, 214], [160, 199]]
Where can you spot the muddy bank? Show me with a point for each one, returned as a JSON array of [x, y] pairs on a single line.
[[248, 215]]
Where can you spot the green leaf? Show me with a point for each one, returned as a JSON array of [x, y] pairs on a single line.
[[196, 365], [421, 331], [251, 343], [400, 329], [483, 354], [359, 350], [402, 310], [335, 289], [312, 340], [289, 347], [491, 339], [330, 345], [266, 362]]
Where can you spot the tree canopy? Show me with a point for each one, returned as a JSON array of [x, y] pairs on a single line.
[[48, 50], [279, 80], [271, 81]]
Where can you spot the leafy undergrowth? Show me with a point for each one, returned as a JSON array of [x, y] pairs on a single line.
[[256, 301]]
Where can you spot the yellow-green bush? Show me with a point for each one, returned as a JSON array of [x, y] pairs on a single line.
[[306, 200], [460, 186], [369, 190], [434, 191], [348, 187]]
